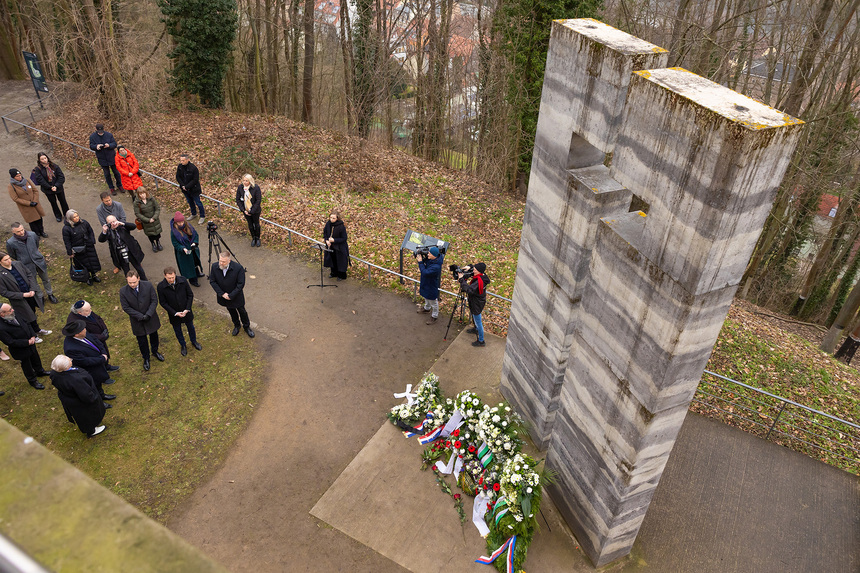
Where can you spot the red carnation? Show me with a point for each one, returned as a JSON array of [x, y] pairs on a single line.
[[496, 487], [458, 444], [456, 432], [485, 487], [471, 449], [481, 480], [448, 444]]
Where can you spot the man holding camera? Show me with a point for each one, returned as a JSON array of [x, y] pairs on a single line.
[[476, 292], [124, 249], [431, 276], [104, 144]]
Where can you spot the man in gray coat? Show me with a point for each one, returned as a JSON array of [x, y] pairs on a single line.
[[23, 245], [140, 302], [18, 285]]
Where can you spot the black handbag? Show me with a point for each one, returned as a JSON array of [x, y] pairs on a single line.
[[79, 275]]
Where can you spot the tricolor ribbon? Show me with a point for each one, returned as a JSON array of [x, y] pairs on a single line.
[[511, 544], [430, 437], [419, 427]]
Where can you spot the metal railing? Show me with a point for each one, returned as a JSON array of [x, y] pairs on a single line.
[[781, 420], [221, 204]]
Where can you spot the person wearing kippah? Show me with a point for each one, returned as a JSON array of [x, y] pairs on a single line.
[[89, 354], [431, 278], [82, 310]]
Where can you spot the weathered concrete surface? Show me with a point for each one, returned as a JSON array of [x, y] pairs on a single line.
[[68, 522], [616, 311]]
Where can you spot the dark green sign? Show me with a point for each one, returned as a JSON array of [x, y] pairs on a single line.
[[35, 71]]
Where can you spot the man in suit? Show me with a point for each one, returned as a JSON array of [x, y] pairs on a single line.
[[88, 353], [140, 303], [175, 295], [21, 340], [227, 278]]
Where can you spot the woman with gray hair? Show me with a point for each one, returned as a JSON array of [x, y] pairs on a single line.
[[80, 244], [78, 395]]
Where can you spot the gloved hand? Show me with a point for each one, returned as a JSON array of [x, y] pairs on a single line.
[[33, 203]]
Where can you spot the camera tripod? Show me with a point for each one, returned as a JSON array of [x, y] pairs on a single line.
[[461, 303], [215, 243]]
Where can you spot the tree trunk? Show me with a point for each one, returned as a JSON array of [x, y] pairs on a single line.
[[846, 314], [308, 75]]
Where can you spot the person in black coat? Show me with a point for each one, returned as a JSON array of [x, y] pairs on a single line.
[[80, 242], [124, 249], [82, 310], [140, 302], [176, 297], [50, 178], [20, 338], [78, 395], [103, 143], [87, 353], [249, 198], [188, 177], [334, 235], [228, 281]]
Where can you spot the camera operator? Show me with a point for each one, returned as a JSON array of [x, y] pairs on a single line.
[[431, 276], [476, 292]]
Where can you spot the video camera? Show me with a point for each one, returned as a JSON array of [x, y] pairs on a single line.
[[466, 274], [424, 250], [211, 226]]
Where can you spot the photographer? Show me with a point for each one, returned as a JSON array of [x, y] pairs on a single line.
[[476, 292], [124, 249], [431, 276]]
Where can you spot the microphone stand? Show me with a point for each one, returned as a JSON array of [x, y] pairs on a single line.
[[321, 249]]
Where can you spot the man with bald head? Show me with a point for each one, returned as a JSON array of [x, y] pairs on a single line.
[[125, 251], [227, 278], [20, 338]]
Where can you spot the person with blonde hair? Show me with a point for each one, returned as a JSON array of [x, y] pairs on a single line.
[[249, 198], [78, 395]]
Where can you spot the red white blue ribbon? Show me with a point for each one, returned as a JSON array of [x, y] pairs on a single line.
[[419, 427], [431, 437], [509, 546]]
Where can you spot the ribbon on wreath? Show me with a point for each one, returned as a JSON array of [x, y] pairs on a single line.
[[500, 509], [409, 395], [455, 422], [431, 436], [454, 465], [479, 509], [509, 546], [485, 455], [420, 427]]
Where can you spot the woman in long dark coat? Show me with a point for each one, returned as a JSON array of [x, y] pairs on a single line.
[[186, 248], [334, 234], [249, 198], [148, 212], [50, 178], [80, 244], [78, 395]]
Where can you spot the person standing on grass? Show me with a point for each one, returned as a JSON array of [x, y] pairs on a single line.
[[27, 197], [148, 212], [227, 278], [80, 242], [103, 143], [249, 198], [129, 168], [140, 302], [88, 353], [83, 311], [188, 177], [78, 395], [334, 234], [18, 285], [21, 339], [50, 178], [23, 246], [176, 297]]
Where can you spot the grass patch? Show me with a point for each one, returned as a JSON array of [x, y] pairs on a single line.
[[169, 428]]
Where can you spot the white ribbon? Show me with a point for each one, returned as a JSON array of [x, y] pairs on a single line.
[[410, 397], [455, 422], [449, 467], [479, 509]]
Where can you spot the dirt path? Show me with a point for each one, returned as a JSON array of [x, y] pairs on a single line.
[[329, 382]]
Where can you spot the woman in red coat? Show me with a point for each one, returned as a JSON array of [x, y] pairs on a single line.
[[129, 168]]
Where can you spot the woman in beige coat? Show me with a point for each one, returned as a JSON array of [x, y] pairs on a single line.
[[26, 196]]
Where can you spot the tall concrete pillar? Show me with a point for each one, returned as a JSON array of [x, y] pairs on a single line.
[[587, 73], [704, 163]]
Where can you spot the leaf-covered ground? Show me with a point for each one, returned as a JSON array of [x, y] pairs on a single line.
[[305, 172]]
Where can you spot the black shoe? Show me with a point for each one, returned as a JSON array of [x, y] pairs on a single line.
[[96, 279], [253, 242], [341, 279], [113, 192], [332, 277], [197, 345], [53, 299], [183, 351], [37, 385], [43, 234], [43, 373], [59, 219], [89, 282], [472, 330], [109, 397], [194, 283], [479, 343], [259, 244], [154, 248], [109, 381], [158, 244], [250, 332], [146, 364], [111, 368], [2, 392], [235, 331], [107, 406], [158, 356]]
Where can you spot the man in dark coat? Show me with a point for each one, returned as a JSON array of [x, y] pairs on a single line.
[[23, 245], [18, 285], [475, 287], [140, 303], [228, 281], [124, 249], [175, 295], [20, 338], [103, 143], [78, 395], [188, 177], [88, 353], [82, 310], [431, 276]]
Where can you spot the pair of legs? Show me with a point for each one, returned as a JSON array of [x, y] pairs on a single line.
[[254, 228], [192, 334], [195, 203], [32, 367], [106, 169], [144, 347], [58, 209], [479, 326], [46, 282], [238, 315], [432, 306], [38, 227], [156, 242], [124, 265], [334, 265]]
